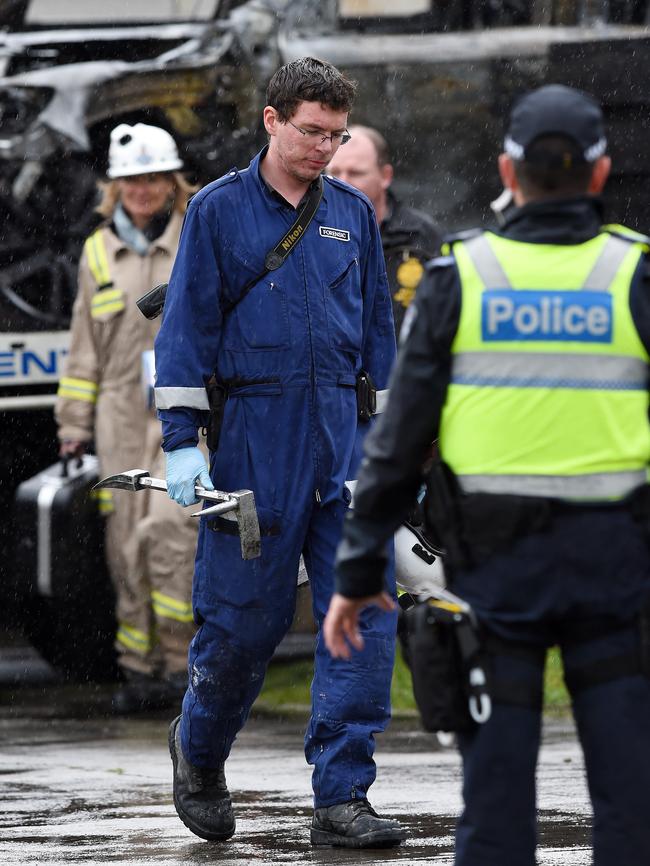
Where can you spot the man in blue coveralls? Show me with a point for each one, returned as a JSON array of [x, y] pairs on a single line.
[[288, 346]]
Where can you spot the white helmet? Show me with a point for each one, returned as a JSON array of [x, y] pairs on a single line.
[[141, 149], [418, 565]]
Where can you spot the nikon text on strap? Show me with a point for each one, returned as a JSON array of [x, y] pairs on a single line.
[[289, 241], [275, 257]]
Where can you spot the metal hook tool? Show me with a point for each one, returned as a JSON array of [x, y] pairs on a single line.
[[238, 506]]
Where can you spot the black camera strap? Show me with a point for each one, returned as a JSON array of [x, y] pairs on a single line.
[[287, 243]]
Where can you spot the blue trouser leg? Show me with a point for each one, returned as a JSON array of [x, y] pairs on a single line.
[[497, 826], [245, 609], [350, 699], [613, 720]]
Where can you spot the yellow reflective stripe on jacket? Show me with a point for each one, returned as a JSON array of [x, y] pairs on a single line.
[[78, 389], [106, 301], [105, 503], [97, 259], [133, 638], [171, 608], [548, 393]]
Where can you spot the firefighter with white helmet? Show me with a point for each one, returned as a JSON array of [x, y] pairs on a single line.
[[150, 542]]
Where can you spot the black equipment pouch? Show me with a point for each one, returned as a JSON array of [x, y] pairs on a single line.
[[151, 304], [217, 396], [366, 396], [447, 666]]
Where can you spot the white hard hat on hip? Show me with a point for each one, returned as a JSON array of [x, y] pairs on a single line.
[[141, 149]]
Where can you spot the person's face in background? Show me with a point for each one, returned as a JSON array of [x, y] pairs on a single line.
[[356, 164], [145, 195]]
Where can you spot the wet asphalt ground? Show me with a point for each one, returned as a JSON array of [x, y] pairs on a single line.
[[78, 786]]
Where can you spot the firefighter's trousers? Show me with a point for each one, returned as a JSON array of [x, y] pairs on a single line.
[[156, 540]]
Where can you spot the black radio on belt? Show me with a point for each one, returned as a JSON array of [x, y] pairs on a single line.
[[366, 396]]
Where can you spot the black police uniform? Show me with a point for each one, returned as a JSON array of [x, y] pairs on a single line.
[[409, 238], [580, 584]]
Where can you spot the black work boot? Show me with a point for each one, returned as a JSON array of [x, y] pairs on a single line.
[[201, 796], [354, 824]]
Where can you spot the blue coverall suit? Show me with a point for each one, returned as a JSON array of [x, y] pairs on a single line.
[[579, 583], [289, 354]]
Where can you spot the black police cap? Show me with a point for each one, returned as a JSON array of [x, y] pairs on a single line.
[[556, 110]]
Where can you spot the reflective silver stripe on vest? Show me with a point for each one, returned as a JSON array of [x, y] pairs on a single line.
[[542, 370], [607, 264], [602, 485], [487, 265], [600, 277], [181, 398]]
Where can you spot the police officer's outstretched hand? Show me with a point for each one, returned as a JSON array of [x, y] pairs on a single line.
[[185, 468], [341, 626]]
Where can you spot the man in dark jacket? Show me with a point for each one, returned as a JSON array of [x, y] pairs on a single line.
[[409, 237], [527, 354]]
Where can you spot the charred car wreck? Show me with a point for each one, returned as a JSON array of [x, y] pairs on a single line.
[[432, 74]]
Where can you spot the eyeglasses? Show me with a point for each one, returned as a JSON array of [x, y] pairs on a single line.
[[336, 138]]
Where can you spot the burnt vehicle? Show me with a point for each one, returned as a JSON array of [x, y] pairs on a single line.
[[439, 81], [435, 76]]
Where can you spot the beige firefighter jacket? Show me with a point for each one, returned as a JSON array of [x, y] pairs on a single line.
[[101, 395]]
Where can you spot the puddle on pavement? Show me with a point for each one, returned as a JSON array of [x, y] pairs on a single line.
[[77, 786], [267, 832]]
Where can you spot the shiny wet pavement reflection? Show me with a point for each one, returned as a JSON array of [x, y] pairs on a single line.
[[91, 790]]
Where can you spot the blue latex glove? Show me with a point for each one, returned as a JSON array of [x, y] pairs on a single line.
[[186, 467]]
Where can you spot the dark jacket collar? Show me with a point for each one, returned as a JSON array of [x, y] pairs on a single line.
[[399, 218], [559, 221]]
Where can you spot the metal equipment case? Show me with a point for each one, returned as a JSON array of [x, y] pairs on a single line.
[[59, 573]]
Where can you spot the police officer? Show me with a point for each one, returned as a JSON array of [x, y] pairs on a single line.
[[409, 237], [287, 347], [528, 355]]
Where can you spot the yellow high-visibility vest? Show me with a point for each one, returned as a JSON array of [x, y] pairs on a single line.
[[549, 385]]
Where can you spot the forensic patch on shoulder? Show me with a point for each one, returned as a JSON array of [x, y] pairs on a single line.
[[336, 234]]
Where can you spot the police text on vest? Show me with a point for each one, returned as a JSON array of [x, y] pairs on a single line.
[[545, 314]]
